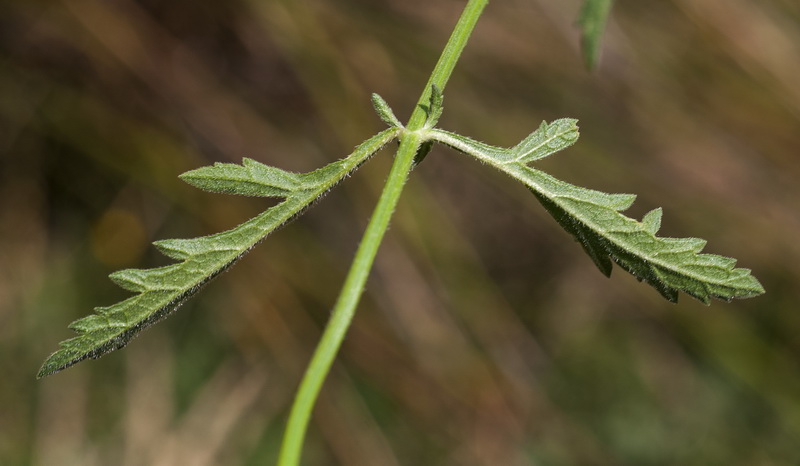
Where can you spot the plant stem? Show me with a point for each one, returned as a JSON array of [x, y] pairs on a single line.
[[353, 288]]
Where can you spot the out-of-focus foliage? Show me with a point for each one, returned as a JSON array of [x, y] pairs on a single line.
[[460, 354], [592, 21]]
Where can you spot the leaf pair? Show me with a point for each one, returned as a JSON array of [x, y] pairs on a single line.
[[670, 265]]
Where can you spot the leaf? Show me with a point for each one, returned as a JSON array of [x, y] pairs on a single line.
[[251, 178], [433, 111], [385, 112], [669, 265], [592, 21], [435, 107], [164, 289], [546, 140]]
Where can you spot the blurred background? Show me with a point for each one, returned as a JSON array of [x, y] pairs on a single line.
[[486, 335]]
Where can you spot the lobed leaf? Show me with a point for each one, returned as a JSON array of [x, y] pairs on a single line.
[[164, 289], [594, 218]]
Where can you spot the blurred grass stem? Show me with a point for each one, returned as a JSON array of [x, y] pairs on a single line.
[[353, 288]]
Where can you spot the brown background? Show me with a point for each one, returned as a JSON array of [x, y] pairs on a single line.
[[486, 336]]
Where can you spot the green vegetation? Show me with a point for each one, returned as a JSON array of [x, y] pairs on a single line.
[[669, 265], [485, 334]]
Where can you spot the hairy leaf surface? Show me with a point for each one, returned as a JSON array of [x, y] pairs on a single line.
[[385, 112], [251, 178], [162, 290], [594, 218], [546, 140]]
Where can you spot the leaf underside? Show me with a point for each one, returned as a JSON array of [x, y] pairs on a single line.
[[595, 220], [162, 290]]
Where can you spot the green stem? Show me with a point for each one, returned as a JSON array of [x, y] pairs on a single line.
[[353, 287]]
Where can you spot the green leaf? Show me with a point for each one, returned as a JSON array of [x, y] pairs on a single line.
[[592, 21], [435, 106], [251, 178], [652, 221], [669, 265], [162, 290], [385, 112], [546, 140], [433, 111]]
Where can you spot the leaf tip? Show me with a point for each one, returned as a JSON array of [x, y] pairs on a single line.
[[752, 286], [56, 362], [128, 279], [174, 249], [652, 221], [548, 139], [44, 371], [193, 177], [385, 112]]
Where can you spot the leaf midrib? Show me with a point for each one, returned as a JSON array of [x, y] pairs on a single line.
[[604, 233], [508, 167]]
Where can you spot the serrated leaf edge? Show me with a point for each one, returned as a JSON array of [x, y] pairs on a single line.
[[615, 203], [109, 328]]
